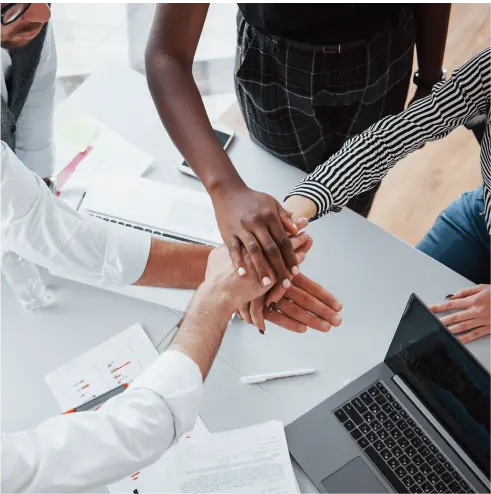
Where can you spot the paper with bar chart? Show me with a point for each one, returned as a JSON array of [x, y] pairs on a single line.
[[117, 361]]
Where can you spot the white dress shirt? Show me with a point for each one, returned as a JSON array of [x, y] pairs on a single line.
[[34, 134], [43, 229], [80, 451]]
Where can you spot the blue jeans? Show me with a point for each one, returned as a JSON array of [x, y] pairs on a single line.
[[459, 238]]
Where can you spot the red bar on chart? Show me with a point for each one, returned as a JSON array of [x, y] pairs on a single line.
[[121, 366]]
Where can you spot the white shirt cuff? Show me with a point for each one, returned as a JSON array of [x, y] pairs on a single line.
[[127, 254], [176, 378]]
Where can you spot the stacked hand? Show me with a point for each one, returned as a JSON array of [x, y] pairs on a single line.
[[302, 304], [255, 224], [263, 241], [473, 316]]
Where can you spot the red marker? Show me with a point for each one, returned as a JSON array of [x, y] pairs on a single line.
[[61, 179], [89, 405]]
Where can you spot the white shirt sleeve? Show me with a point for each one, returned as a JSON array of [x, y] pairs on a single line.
[[80, 451], [34, 135], [43, 229]]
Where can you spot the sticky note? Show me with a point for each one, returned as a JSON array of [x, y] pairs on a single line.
[[78, 132]]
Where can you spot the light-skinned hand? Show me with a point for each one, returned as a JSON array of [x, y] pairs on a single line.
[[472, 320], [221, 278], [304, 304]]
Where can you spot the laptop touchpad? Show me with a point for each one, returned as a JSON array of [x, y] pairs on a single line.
[[355, 476]]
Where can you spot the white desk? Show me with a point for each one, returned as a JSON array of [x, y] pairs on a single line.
[[370, 271]]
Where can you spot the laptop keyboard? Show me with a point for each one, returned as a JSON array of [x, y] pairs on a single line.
[[405, 456]]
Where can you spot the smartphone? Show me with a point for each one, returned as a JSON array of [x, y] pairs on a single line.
[[224, 135]]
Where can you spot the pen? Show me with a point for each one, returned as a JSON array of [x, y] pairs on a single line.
[[260, 378], [89, 405]]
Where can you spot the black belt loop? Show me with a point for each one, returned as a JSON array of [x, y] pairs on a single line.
[[331, 49], [328, 49]]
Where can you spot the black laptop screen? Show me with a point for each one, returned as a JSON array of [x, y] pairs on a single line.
[[446, 377]]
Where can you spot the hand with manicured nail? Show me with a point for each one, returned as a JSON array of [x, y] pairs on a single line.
[[473, 312], [252, 312], [256, 223], [304, 304]]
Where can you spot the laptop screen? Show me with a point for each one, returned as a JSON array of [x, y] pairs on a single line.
[[446, 377]]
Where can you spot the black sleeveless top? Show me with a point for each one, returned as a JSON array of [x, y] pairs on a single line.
[[321, 22]]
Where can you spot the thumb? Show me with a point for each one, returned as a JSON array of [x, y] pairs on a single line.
[[286, 220]]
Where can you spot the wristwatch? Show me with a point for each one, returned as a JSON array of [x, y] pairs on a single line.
[[425, 84]]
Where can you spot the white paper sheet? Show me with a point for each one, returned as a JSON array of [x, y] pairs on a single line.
[[157, 477], [253, 460], [116, 361], [110, 155]]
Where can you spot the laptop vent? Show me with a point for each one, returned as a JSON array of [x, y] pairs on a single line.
[[159, 233]]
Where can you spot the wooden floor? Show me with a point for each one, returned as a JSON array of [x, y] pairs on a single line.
[[424, 183]]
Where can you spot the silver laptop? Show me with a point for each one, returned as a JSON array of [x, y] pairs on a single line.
[[164, 210], [418, 422]]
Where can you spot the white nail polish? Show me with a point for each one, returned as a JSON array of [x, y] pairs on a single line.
[[241, 271], [266, 281]]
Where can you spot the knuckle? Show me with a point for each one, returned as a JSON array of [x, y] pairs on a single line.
[[284, 241], [232, 243], [479, 310], [254, 248], [272, 250], [267, 214]]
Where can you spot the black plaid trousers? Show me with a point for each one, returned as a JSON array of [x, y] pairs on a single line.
[[302, 103]]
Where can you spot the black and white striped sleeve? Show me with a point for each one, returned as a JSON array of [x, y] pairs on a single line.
[[366, 159]]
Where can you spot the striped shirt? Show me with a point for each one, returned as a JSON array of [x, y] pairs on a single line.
[[364, 160]]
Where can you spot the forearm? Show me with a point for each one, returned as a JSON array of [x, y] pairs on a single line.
[[203, 327], [129, 432], [367, 158], [431, 37], [175, 265], [43, 229], [181, 108]]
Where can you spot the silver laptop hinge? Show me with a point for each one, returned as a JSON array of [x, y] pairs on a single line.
[[436, 424]]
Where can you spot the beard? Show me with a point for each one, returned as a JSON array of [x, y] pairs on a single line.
[[17, 38]]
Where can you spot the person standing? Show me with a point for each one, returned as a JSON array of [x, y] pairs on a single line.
[[307, 77]]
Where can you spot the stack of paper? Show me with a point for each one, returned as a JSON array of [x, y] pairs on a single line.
[[246, 461]]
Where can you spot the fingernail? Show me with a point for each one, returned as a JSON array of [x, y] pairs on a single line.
[[261, 331], [266, 281], [300, 257], [450, 295], [271, 306], [336, 320], [337, 306], [286, 283], [325, 326], [241, 271], [295, 270]]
